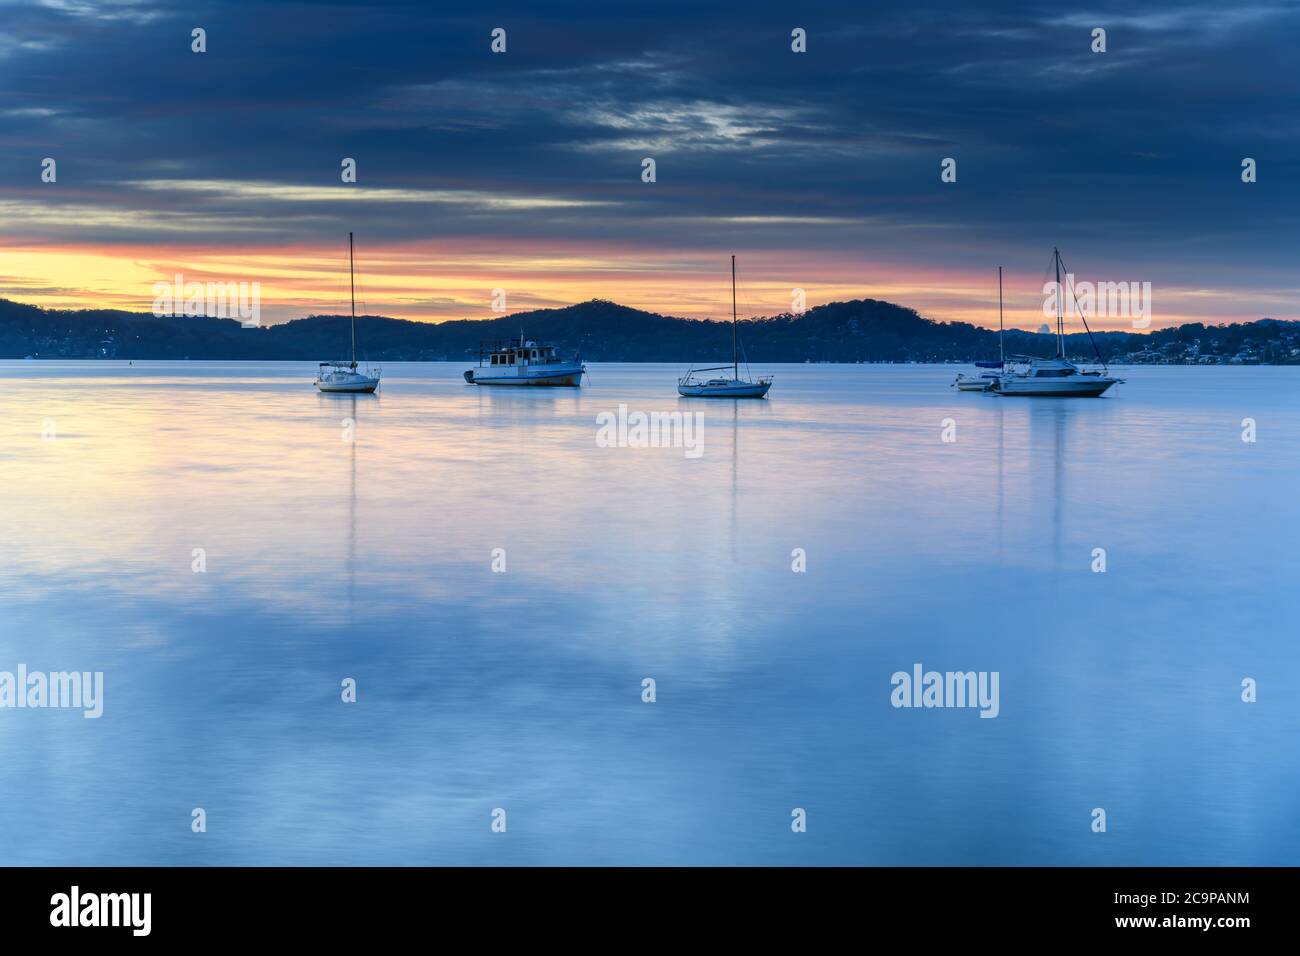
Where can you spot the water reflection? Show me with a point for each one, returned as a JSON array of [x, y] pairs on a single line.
[[479, 689], [1047, 432]]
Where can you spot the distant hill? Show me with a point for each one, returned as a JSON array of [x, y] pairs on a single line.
[[863, 330]]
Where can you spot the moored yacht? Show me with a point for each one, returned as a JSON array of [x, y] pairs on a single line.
[[1051, 378], [524, 363], [691, 385], [733, 387], [343, 376], [1055, 377]]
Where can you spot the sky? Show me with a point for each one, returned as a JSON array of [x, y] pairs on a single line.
[[522, 171]]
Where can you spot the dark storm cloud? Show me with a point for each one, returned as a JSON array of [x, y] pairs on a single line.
[[1136, 151]]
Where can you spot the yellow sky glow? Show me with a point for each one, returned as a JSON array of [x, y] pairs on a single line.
[[428, 282]]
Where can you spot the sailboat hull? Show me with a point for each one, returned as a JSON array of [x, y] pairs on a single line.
[[553, 374], [1082, 386], [355, 385], [730, 390]]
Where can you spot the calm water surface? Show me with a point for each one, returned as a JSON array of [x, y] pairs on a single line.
[[372, 559]]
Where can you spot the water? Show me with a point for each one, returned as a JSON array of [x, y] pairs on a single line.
[[522, 690]]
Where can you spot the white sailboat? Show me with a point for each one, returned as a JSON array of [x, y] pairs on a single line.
[[1056, 377], [984, 381], [343, 376], [735, 387]]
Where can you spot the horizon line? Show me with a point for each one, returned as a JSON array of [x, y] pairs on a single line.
[[597, 299]]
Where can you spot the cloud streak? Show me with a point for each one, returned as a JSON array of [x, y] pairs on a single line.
[[802, 163]]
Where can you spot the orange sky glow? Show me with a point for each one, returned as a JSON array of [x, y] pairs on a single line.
[[455, 280]]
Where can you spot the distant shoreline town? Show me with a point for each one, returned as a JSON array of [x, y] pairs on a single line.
[[858, 331]]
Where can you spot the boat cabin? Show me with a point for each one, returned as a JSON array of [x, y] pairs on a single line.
[[517, 354], [1033, 367]]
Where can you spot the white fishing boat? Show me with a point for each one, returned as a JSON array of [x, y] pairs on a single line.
[[1056, 377], [984, 381], [344, 376], [691, 385], [524, 363]]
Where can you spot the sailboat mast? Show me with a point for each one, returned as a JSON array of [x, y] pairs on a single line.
[[1060, 307], [1002, 352], [735, 359], [352, 288]]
